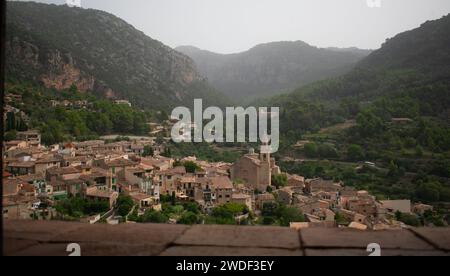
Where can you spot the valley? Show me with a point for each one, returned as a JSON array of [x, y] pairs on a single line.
[[272, 69], [371, 123]]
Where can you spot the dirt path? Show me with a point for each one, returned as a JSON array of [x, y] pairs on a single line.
[[347, 124]]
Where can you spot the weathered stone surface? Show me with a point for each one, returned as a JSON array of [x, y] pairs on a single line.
[[15, 245], [346, 238], [93, 249], [440, 237], [228, 251], [117, 249], [47, 249], [228, 236], [37, 230], [362, 253], [151, 234], [33, 238], [335, 252], [124, 239]]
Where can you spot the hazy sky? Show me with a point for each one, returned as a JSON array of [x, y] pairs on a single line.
[[228, 26]]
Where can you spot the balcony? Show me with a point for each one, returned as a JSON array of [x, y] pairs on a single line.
[[34, 238]]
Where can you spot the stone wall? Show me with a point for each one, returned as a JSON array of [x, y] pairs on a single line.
[[33, 238]]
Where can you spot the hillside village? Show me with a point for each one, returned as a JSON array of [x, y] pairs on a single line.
[[37, 178]]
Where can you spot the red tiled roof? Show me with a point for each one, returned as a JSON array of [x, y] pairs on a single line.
[[21, 164], [121, 163], [69, 146], [11, 186], [221, 182], [64, 170], [28, 188], [177, 170], [95, 192], [140, 196], [14, 142], [6, 174]]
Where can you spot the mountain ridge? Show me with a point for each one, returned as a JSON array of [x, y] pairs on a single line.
[[418, 56], [271, 68], [60, 46], [408, 77]]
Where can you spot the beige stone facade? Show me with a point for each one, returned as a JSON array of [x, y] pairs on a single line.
[[255, 170]]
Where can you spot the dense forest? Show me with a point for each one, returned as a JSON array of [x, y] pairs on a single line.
[[86, 118], [59, 46], [393, 110], [407, 77]]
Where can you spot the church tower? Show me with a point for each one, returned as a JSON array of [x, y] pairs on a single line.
[[265, 171], [264, 155]]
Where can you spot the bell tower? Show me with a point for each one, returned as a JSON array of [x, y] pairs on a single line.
[[264, 155], [265, 170]]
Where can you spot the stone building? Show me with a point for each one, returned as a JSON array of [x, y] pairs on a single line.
[[319, 184], [262, 199], [224, 189], [243, 199], [168, 179], [32, 137], [255, 170], [363, 203]]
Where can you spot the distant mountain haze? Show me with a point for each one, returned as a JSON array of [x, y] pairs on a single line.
[[415, 58], [426, 48], [272, 68], [409, 74], [59, 46]]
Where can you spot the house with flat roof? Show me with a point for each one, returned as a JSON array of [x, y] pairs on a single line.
[[393, 206], [32, 137]]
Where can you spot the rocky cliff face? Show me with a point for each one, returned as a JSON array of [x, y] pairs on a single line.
[[50, 67], [60, 46]]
